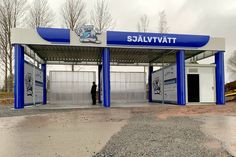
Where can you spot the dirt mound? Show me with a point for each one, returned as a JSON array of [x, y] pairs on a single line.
[[229, 108]]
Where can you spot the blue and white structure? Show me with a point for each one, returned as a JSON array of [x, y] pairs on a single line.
[[177, 82]]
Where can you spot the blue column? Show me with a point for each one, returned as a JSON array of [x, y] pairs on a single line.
[[106, 77], [150, 71], [99, 83], [44, 68], [180, 67], [19, 77], [220, 78]]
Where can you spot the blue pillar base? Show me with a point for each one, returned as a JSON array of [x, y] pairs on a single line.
[[150, 71], [99, 83], [106, 77], [44, 68], [19, 77], [180, 67], [220, 78]]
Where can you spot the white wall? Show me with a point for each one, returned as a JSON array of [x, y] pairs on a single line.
[[29, 84], [206, 81], [170, 85], [157, 86]]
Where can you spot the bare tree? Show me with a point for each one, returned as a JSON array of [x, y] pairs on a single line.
[[40, 14], [4, 56], [232, 65], [143, 24], [101, 17], [73, 13], [11, 13], [163, 26], [3, 46]]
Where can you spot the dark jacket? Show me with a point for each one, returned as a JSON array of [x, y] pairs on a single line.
[[94, 89]]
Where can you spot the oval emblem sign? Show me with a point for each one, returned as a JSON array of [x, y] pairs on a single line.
[[88, 34]]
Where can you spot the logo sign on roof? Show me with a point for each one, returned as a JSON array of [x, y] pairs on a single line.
[[88, 34], [155, 39], [55, 35]]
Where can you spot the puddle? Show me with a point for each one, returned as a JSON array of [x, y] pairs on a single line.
[[222, 128], [9, 122], [60, 134]]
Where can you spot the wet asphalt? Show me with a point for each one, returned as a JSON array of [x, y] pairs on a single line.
[[98, 132]]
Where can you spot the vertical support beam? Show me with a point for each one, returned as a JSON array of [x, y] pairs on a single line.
[[34, 79], [163, 80], [106, 77], [19, 77], [220, 78], [180, 67], [99, 83], [44, 69], [72, 67], [150, 71]]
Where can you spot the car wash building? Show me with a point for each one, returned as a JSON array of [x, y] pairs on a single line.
[[179, 80]]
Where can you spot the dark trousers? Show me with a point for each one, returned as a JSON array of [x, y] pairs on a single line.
[[94, 99]]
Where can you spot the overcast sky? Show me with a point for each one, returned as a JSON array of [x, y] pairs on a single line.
[[209, 17]]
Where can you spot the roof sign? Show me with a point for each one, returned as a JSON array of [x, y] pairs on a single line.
[[55, 35], [155, 39]]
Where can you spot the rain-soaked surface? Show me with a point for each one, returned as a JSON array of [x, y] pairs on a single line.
[[46, 131], [222, 128], [63, 106], [58, 134]]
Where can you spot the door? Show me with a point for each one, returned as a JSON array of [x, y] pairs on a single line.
[[193, 88], [207, 84]]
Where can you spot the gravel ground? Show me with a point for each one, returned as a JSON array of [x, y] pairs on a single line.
[[152, 131], [147, 136]]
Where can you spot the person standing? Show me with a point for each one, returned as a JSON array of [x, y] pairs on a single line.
[[93, 92]]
